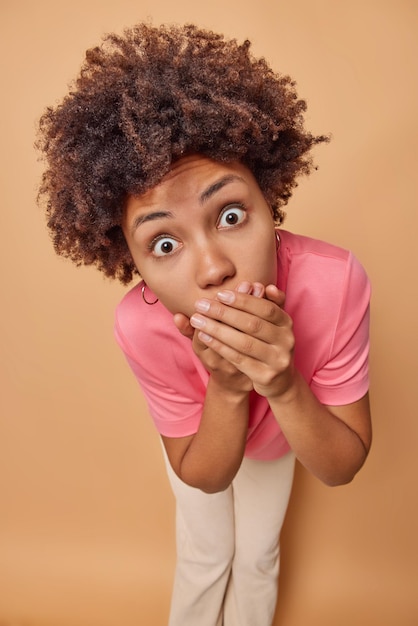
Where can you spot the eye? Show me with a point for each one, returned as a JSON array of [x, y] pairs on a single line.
[[232, 216], [163, 246]]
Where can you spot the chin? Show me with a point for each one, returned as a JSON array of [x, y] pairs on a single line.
[[187, 310]]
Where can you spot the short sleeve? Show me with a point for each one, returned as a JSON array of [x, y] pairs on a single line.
[[343, 378], [164, 365]]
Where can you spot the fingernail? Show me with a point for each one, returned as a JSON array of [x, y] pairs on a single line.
[[258, 290], [205, 337], [226, 296], [244, 287], [203, 306], [197, 321]]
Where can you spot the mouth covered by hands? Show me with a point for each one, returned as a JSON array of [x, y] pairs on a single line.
[[244, 338]]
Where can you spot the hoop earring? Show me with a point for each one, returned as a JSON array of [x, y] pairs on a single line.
[[144, 298], [277, 241]]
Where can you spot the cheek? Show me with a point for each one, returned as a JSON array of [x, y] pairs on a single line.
[[133, 253], [179, 302], [268, 262], [172, 292]]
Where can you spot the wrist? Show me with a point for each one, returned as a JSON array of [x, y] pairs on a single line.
[[289, 392], [230, 393]]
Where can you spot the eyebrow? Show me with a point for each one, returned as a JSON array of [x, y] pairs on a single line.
[[204, 197], [217, 185], [149, 217]]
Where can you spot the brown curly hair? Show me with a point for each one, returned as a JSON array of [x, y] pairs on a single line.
[[143, 100]]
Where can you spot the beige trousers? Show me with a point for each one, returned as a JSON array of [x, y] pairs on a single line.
[[228, 547]]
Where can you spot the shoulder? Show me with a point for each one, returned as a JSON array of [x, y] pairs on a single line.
[[327, 296], [318, 267], [293, 245], [327, 289], [142, 330]]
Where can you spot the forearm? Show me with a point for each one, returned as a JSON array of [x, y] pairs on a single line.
[[215, 453], [322, 442]]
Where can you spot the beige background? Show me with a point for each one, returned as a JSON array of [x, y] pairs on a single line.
[[86, 515]]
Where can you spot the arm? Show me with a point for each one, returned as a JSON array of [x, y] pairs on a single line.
[[331, 442], [255, 335], [210, 459]]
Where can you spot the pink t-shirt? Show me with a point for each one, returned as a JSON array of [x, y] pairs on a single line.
[[327, 297]]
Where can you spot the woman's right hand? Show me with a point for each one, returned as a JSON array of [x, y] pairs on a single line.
[[225, 374]]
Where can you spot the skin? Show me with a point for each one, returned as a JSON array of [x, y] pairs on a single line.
[[204, 242]]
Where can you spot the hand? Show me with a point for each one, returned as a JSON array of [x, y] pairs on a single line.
[[223, 371], [183, 322], [253, 334]]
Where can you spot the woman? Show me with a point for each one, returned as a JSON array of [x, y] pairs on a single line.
[[172, 157]]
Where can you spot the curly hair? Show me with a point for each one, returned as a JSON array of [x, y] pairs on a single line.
[[143, 100]]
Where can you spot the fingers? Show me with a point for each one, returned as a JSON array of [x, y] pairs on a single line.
[[267, 346], [268, 365], [255, 289], [231, 324], [274, 294], [182, 322], [245, 327], [255, 316]]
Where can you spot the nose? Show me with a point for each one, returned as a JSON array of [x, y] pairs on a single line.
[[213, 265]]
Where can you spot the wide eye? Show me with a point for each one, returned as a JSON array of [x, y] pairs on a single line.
[[164, 245], [231, 216]]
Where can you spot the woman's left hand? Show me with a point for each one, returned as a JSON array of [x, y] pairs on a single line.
[[252, 333]]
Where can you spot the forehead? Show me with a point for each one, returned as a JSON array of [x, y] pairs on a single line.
[[190, 177]]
